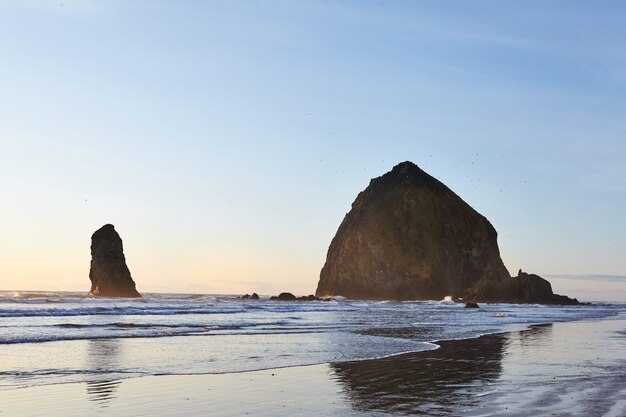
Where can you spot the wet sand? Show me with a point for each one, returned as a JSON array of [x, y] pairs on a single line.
[[563, 369]]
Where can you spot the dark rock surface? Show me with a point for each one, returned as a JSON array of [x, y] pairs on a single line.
[[287, 296], [254, 296], [525, 288], [309, 297], [284, 296], [409, 237], [471, 305], [109, 274]]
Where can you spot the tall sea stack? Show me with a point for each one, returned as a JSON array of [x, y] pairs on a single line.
[[109, 274], [409, 237]]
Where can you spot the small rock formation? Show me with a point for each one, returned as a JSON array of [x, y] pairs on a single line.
[[287, 296], [254, 296], [471, 305], [284, 296], [525, 288], [409, 237], [309, 297], [109, 274]]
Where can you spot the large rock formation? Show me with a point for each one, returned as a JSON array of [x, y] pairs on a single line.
[[409, 237], [109, 274]]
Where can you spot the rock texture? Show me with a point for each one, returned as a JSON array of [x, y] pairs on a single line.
[[284, 296], [525, 288], [409, 237], [109, 274]]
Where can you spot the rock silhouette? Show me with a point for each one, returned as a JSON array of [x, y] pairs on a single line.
[[254, 296], [284, 296], [409, 237], [287, 296], [109, 274], [525, 288]]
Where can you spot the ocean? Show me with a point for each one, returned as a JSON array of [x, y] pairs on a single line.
[[59, 337]]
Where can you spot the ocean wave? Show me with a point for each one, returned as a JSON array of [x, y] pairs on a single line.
[[33, 332], [181, 334], [112, 311], [78, 316]]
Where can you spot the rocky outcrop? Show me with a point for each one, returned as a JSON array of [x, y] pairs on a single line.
[[284, 296], [254, 296], [287, 296], [109, 274], [309, 297], [525, 288], [409, 237]]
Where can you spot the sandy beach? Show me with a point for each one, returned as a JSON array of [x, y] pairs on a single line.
[[561, 369]]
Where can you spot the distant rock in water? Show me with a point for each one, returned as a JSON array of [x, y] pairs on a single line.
[[287, 296], [284, 296], [309, 297], [409, 237], [254, 296], [109, 274]]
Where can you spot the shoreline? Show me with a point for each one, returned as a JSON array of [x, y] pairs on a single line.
[[484, 375], [435, 343]]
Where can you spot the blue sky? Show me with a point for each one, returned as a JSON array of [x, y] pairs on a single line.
[[226, 140]]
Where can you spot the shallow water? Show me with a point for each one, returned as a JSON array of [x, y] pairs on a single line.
[[48, 338], [562, 369]]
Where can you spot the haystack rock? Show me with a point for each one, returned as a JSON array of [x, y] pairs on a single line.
[[409, 237], [109, 274]]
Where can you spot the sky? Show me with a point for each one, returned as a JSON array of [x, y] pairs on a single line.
[[226, 140]]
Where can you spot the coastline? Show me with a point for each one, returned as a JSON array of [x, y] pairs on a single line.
[[565, 368]]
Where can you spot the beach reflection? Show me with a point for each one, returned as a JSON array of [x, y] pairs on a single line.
[[102, 392], [437, 382], [539, 334], [102, 359]]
